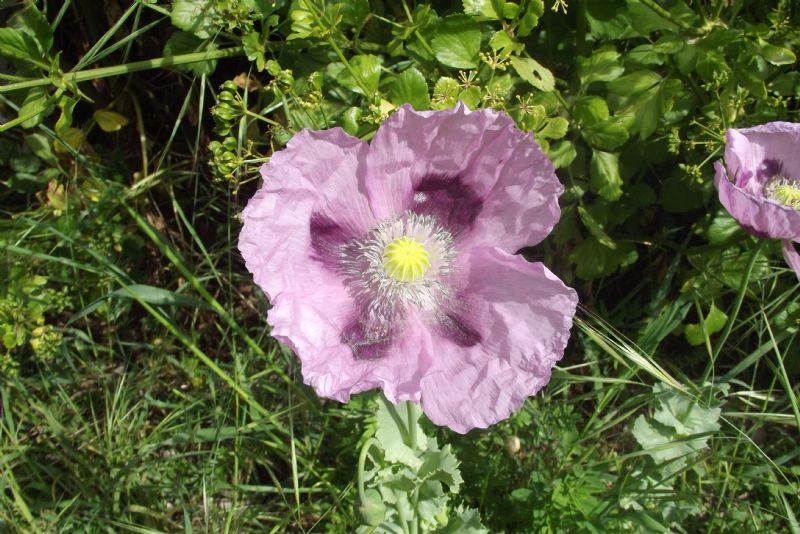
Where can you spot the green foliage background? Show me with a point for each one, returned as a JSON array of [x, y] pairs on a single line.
[[140, 389]]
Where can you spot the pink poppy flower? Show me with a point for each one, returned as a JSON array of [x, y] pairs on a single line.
[[392, 264], [759, 184]]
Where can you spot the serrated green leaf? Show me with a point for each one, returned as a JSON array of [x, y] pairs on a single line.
[[502, 42], [441, 465], [463, 521], [562, 154], [195, 16], [722, 227], [410, 87], [530, 19], [594, 260], [18, 45], [457, 41], [590, 110], [634, 83], [480, 8], [255, 49], [534, 73], [393, 440], [604, 175], [602, 66], [33, 22], [608, 135], [554, 128]]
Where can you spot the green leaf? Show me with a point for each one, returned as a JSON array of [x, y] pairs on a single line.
[[35, 107], [609, 19], [607, 135], [31, 21], [644, 98], [595, 228], [471, 96], [534, 73], [157, 296], [562, 154], [18, 45], [670, 435], [67, 105], [110, 121], [181, 42], [368, 69], [195, 16], [457, 42], [255, 49], [714, 322], [634, 83], [410, 87], [530, 19], [590, 110], [594, 260], [604, 175], [441, 465], [602, 66], [40, 146], [554, 128], [393, 440], [722, 227], [502, 42], [645, 20], [778, 55], [350, 120], [465, 521], [480, 8]]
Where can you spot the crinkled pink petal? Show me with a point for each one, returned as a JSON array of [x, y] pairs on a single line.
[[523, 314], [513, 182], [310, 321], [760, 216], [317, 173], [791, 256], [747, 150]]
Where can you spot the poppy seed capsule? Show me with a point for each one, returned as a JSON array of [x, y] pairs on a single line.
[[513, 445]]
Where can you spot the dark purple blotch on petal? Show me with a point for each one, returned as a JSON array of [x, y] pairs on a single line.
[[366, 343], [769, 169], [456, 328], [454, 204], [326, 238]]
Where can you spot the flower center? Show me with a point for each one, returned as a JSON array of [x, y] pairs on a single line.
[[405, 259], [784, 190]]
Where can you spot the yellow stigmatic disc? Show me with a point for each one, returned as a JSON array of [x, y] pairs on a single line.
[[405, 259]]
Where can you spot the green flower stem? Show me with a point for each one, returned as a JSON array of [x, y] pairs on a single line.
[[116, 70], [412, 425], [736, 307], [362, 461]]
